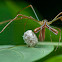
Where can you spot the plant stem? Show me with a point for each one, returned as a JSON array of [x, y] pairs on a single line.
[[50, 43]]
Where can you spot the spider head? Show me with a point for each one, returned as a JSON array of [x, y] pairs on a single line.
[[45, 20]]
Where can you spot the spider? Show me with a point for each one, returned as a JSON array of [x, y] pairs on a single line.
[[44, 23]]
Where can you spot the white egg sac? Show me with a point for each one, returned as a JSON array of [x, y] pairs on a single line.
[[30, 38]]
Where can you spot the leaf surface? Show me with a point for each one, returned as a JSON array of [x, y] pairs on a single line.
[[24, 53]]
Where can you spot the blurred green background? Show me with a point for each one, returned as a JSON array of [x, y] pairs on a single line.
[[12, 35]]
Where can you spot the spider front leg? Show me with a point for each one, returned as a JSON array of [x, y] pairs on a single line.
[[56, 18], [32, 9], [59, 38], [8, 24], [58, 14], [22, 16]]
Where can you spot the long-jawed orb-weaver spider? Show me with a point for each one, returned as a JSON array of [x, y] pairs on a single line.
[[44, 24]]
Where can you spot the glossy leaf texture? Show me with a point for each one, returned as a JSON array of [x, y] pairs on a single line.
[[24, 53]]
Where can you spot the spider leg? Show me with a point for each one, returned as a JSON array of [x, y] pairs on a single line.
[[58, 14], [7, 21], [42, 34], [59, 38], [4, 22], [59, 18], [32, 9], [22, 16], [56, 18]]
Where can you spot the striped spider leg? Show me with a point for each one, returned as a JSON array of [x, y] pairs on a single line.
[[45, 25]]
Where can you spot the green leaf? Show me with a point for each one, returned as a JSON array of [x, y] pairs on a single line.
[[6, 46], [55, 59], [24, 53], [10, 56]]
